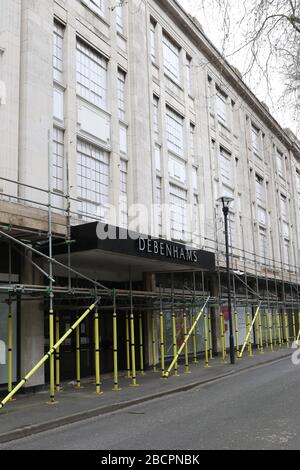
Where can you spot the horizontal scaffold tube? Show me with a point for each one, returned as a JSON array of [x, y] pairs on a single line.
[[249, 332], [166, 375], [48, 355]]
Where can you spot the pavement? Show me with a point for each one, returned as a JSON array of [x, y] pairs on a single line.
[[31, 414]]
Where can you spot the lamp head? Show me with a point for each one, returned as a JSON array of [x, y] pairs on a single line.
[[226, 200]]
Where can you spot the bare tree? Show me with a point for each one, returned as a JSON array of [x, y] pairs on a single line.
[[268, 33]]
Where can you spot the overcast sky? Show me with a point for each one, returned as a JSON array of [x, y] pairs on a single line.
[[212, 23]]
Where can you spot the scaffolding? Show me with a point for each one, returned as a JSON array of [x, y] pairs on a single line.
[[269, 312]]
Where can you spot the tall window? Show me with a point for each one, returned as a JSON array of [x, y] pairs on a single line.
[[178, 208], [286, 253], [196, 228], [123, 139], [121, 93], [97, 5], [153, 41], [58, 160], [256, 140], [260, 189], [221, 105], [177, 168], [91, 75], [157, 151], [285, 229], [260, 193], [123, 194], [192, 143], [174, 127], [92, 179], [188, 74], [171, 53], [262, 215], [283, 207], [58, 36], [298, 185], [262, 244], [156, 117], [232, 230], [195, 178], [280, 164], [159, 206], [120, 19], [225, 167]]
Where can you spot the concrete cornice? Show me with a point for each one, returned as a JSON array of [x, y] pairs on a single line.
[[195, 34]]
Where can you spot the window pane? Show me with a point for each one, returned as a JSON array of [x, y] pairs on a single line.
[[91, 75], [121, 93], [58, 160], [92, 179], [58, 35], [123, 194], [174, 127], [178, 216], [171, 58]]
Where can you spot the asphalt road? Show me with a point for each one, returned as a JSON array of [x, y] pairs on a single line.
[[257, 409]]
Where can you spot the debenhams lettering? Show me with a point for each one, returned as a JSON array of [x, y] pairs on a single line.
[[167, 250]]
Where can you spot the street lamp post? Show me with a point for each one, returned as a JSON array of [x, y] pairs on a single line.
[[225, 207]]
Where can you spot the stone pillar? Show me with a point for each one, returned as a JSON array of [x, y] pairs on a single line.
[[31, 327]]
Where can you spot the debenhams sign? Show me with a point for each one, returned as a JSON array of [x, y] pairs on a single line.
[[167, 250]]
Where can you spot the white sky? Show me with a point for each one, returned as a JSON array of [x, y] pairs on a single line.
[[212, 23]]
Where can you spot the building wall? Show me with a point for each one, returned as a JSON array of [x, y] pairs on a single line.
[[236, 141]]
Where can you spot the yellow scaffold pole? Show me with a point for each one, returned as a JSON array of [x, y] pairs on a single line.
[[127, 347], [153, 341], [195, 360], [210, 337], [166, 375], [133, 368], [186, 351], [57, 354], [132, 342], [270, 330], [261, 344], [266, 329], [78, 351], [51, 344], [10, 347], [294, 325], [287, 330], [249, 332], [274, 328], [141, 345], [174, 334], [236, 325], [205, 338], [47, 356], [116, 387], [279, 330], [162, 340], [174, 329], [97, 352], [223, 336], [298, 336]]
